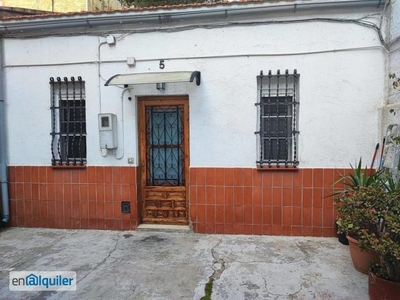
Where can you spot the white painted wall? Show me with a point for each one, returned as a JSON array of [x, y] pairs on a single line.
[[340, 91]]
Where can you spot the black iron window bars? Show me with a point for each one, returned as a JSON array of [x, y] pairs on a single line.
[[68, 121], [165, 143], [277, 133]]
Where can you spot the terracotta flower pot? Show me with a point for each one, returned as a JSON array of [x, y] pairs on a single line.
[[361, 259], [379, 288]]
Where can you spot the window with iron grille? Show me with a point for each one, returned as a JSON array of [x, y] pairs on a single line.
[[278, 102], [68, 121]]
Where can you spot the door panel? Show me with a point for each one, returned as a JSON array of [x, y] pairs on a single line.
[[163, 131]]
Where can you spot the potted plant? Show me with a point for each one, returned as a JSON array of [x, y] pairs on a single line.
[[384, 239], [354, 216], [358, 177]]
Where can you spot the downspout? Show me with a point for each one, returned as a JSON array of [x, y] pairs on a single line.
[[3, 165]]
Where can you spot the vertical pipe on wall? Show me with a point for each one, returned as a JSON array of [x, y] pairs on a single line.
[[3, 165]]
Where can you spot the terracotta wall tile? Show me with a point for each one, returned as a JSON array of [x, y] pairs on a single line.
[[296, 216], [210, 214], [267, 215], [19, 174], [277, 197], [27, 195], [238, 228], [307, 197], [229, 214], [238, 177], [317, 217], [229, 195], [220, 177], [307, 217], [257, 178], [287, 196], [67, 176], [298, 179], [276, 230], [287, 216], [257, 230], [201, 176], [248, 177], [34, 174], [220, 195], [257, 215], [257, 194], [277, 180], [287, 179], [219, 228], [229, 177], [317, 197], [220, 214], [238, 195], [43, 175], [99, 175], [318, 178], [248, 214], [328, 178], [91, 175], [247, 229], [307, 177], [267, 196], [35, 191], [201, 214], [100, 192], [239, 214], [210, 228], [49, 175], [67, 192], [210, 177], [116, 175], [192, 176], [276, 216], [222, 200], [200, 195], [27, 174], [210, 195]]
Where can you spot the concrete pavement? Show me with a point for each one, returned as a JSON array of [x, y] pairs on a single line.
[[171, 265]]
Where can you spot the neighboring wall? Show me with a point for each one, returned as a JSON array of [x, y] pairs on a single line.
[[393, 101], [64, 5]]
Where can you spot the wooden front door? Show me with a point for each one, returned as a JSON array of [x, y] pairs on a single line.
[[164, 159]]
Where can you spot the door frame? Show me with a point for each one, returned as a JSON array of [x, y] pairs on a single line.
[[143, 102]]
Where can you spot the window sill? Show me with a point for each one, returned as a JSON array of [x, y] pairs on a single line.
[[69, 167], [277, 169]]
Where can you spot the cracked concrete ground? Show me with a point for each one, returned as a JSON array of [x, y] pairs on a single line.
[[171, 265]]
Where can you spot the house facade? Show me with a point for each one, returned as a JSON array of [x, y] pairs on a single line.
[[229, 118]]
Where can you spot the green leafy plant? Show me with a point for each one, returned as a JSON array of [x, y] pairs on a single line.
[[360, 210], [385, 237], [358, 177]]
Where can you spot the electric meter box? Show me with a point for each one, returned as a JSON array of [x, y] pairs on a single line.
[[108, 131]]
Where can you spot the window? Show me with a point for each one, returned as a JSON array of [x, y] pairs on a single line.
[[68, 121], [278, 119]]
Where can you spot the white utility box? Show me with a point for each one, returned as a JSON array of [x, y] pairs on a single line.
[[108, 131]]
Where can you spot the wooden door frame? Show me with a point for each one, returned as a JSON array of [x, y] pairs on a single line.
[[161, 101]]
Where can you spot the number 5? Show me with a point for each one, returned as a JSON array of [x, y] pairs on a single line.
[[162, 66]]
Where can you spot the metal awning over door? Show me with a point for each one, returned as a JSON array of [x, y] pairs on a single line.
[[159, 77]]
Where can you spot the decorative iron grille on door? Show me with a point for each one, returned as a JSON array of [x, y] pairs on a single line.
[[68, 121], [164, 139], [278, 119]]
